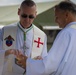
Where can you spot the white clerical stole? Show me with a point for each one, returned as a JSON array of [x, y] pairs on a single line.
[[9, 43], [38, 42], [9, 39]]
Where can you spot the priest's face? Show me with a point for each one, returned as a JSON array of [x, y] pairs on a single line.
[[27, 15], [60, 18]]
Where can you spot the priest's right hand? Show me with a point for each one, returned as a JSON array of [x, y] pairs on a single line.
[[12, 51]]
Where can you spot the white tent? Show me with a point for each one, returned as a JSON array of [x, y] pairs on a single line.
[[8, 13]]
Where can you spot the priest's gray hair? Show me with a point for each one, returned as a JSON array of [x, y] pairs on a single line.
[[67, 6]]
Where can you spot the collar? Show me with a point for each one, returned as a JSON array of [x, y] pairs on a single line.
[[25, 29], [71, 23]]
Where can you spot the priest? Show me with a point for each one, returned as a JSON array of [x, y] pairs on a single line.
[[23, 37]]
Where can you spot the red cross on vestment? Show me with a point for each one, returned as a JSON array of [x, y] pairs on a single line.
[[38, 45]]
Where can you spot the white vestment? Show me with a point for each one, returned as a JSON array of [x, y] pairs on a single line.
[[61, 58], [17, 70]]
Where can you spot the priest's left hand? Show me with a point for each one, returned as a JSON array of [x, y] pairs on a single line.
[[38, 58]]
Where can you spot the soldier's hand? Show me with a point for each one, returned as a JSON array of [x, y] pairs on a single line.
[[22, 60]]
